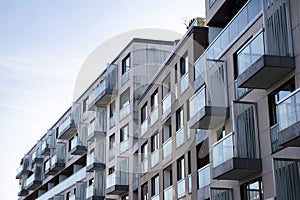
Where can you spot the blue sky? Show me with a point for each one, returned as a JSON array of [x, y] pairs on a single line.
[[43, 45]]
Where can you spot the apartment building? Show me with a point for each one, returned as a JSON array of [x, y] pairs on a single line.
[[217, 119], [86, 154], [222, 123]]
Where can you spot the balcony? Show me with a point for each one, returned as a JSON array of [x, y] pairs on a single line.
[[45, 150], [36, 157], [95, 131], [180, 137], [204, 182], [94, 193], [230, 165], [57, 161], [209, 106], [67, 129], [106, 90], [167, 148], [255, 67], [221, 12], [124, 145], [65, 184], [288, 118], [184, 83], [144, 166], [24, 168], [35, 180], [144, 127], [22, 190], [181, 190], [77, 147], [94, 164], [166, 106], [117, 183], [154, 158], [168, 193], [125, 111], [274, 138], [154, 116]]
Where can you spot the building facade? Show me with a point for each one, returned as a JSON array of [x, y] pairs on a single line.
[[217, 119]]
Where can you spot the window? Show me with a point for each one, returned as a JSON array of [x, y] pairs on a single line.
[[144, 150], [202, 153], [166, 86], [112, 141], [176, 73], [155, 142], [144, 113], [112, 109], [124, 132], [277, 96], [252, 190], [85, 105], [168, 177], [111, 170], [154, 100], [145, 191], [189, 167], [184, 65], [167, 130], [126, 64], [180, 168], [124, 98], [179, 119], [155, 185]]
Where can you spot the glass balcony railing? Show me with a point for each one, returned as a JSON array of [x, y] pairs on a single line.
[[74, 142], [53, 160], [274, 138], [223, 150], [144, 166], [124, 145], [65, 184], [166, 104], [112, 121], [125, 77], [180, 137], [125, 111], [44, 146], [89, 191], [111, 180], [154, 116], [181, 190], [197, 102], [47, 165], [176, 91], [190, 184], [90, 159], [168, 193], [111, 153], [114, 179], [29, 180], [155, 158], [184, 83], [250, 53], [204, 176], [167, 147], [240, 92], [236, 27], [288, 110], [97, 92], [72, 197], [155, 197], [65, 124], [144, 127]]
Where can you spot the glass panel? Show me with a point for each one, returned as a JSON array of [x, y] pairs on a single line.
[[168, 193], [223, 150], [155, 158], [204, 176], [154, 116], [181, 188], [180, 137], [250, 53], [167, 148], [166, 104], [125, 111], [197, 102], [184, 83]]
